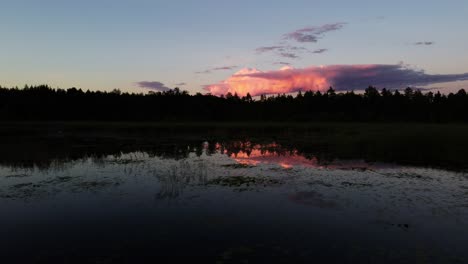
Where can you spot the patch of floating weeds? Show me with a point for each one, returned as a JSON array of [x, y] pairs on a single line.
[[126, 161], [6, 196], [282, 169], [405, 175], [58, 180], [361, 169], [356, 184], [49, 187], [24, 191], [238, 166], [22, 185], [22, 175], [398, 225], [94, 185], [242, 181], [403, 226], [322, 183]]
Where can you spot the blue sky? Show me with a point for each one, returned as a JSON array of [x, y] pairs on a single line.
[[116, 44]]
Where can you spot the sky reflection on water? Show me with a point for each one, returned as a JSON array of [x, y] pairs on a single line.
[[238, 199]]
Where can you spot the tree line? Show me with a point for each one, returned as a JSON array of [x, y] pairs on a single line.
[[45, 103]]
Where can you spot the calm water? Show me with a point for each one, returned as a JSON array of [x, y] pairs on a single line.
[[230, 202]]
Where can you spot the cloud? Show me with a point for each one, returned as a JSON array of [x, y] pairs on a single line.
[[288, 55], [425, 43], [268, 48], [285, 51], [158, 86], [203, 72], [294, 48], [341, 77], [312, 34], [181, 84], [317, 51], [222, 68], [281, 63], [304, 35], [283, 48]]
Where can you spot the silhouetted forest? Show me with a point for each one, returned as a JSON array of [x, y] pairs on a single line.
[[44, 103]]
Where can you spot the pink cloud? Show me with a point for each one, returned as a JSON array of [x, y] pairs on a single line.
[[320, 78]]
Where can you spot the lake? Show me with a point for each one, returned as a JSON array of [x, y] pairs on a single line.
[[325, 194]]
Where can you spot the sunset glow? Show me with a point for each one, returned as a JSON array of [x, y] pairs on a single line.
[[286, 161], [234, 131], [285, 80], [320, 78]]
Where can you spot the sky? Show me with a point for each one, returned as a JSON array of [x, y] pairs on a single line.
[[219, 46]]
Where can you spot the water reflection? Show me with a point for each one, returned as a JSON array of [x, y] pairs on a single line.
[[251, 154], [300, 148], [271, 154], [177, 167], [243, 152], [233, 199]]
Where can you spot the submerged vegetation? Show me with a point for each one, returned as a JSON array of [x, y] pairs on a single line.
[[44, 103]]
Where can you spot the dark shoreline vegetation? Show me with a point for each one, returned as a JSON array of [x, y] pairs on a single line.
[[47, 104], [40, 144]]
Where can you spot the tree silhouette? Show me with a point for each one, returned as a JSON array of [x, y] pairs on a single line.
[[45, 103]]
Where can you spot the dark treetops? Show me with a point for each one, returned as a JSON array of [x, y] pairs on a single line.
[[44, 103]]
